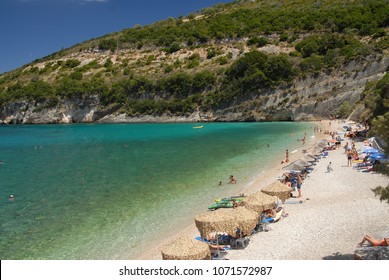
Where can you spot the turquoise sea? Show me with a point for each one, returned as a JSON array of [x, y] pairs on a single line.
[[109, 191]]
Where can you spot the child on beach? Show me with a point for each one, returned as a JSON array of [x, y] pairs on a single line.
[[329, 167], [349, 158]]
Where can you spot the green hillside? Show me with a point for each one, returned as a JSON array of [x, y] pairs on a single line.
[[207, 60]]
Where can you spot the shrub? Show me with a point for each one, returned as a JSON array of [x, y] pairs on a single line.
[[284, 37], [345, 109], [108, 44], [258, 41], [212, 52], [71, 63], [279, 68], [312, 64], [174, 47]]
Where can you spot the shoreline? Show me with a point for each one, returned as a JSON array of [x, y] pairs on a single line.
[[341, 209], [260, 180]]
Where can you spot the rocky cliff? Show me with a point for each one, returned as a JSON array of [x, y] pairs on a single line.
[[308, 98]]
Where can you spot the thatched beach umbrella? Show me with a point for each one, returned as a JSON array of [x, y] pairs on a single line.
[[309, 157], [185, 248], [321, 145], [218, 220], [246, 219], [303, 162], [226, 220], [278, 189], [316, 152], [297, 165], [259, 202]]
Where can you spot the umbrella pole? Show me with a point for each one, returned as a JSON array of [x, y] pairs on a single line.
[[217, 244]]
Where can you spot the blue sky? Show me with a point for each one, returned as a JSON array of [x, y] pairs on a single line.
[[32, 29]]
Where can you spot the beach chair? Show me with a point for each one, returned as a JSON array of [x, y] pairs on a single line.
[[240, 243], [261, 224], [219, 256]]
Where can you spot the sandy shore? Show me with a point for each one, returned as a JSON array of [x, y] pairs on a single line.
[[338, 209]]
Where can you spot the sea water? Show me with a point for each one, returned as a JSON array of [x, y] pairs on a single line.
[[108, 191]]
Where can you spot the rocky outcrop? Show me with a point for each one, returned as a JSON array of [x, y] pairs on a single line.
[[64, 111], [331, 90], [309, 98], [123, 118]]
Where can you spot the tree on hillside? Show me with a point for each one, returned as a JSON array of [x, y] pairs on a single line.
[[345, 109]]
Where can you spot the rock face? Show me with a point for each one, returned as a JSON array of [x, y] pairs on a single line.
[[309, 98], [68, 111]]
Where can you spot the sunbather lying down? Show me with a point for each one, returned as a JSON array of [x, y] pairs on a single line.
[[219, 238], [273, 215], [374, 242], [214, 248], [213, 235]]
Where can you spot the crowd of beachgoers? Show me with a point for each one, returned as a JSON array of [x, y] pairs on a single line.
[[329, 209]]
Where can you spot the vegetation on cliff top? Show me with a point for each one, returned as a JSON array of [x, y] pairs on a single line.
[[207, 59]]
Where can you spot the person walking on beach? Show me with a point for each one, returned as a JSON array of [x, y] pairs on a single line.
[[329, 167], [346, 148], [349, 157], [287, 156], [299, 184]]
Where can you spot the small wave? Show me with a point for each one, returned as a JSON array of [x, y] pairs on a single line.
[[294, 151]]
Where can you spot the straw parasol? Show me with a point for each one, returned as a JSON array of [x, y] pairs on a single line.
[[309, 157], [316, 152], [226, 220], [185, 248], [246, 219], [321, 144], [218, 220], [297, 165], [303, 162], [259, 202], [278, 189]]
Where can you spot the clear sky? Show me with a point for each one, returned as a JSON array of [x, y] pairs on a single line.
[[31, 29]]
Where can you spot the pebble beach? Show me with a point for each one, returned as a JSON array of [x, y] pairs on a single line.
[[338, 208]]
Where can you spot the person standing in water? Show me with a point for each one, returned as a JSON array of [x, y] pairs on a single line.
[[232, 179]]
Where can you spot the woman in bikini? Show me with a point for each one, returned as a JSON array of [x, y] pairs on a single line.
[[374, 242]]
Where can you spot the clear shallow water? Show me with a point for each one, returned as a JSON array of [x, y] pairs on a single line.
[[108, 191]]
